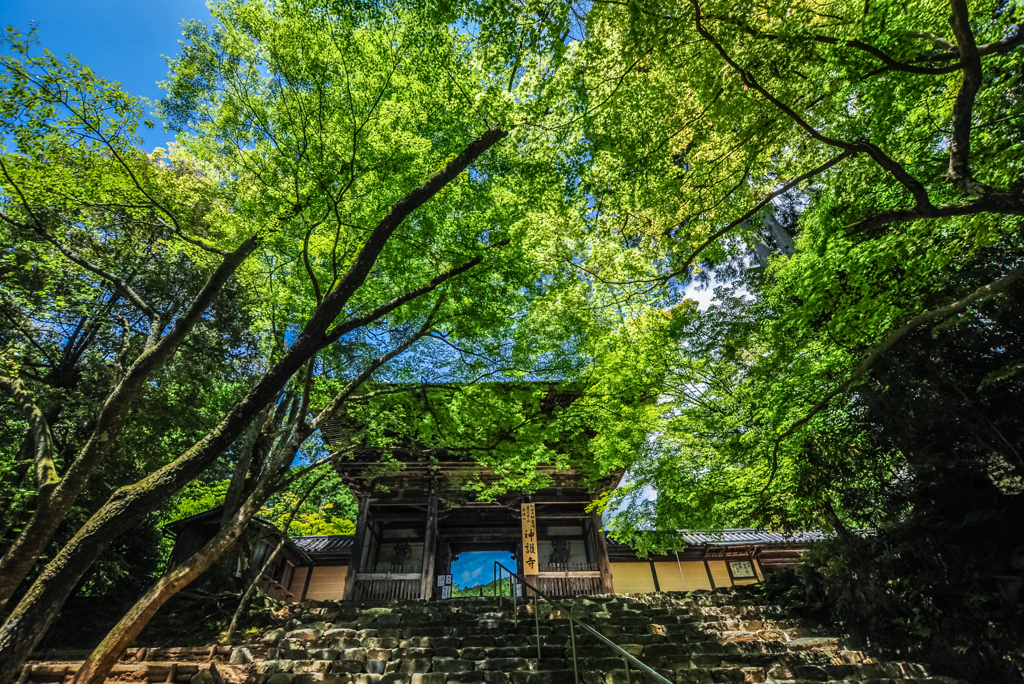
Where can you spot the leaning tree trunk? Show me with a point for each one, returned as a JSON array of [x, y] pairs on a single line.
[[102, 660], [99, 664]]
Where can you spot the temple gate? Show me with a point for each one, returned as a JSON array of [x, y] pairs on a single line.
[[412, 525]]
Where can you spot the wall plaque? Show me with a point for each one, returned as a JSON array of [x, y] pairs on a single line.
[[742, 569]]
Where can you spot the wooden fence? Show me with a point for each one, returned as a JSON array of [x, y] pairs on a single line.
[[386, 585], [570, 579]]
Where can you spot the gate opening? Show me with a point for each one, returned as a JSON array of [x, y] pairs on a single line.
[[473, 573]]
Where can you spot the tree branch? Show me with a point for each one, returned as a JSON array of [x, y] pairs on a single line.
[[129, 504], [998, 47], [757, 207], [963, 106], [357, 381], [893, 167], [122, 355], [246, 599], [46, 471], [890, 63], [381, 311], [309, 266], [191, 240], [36, 226], [997, 203], [113, 415]]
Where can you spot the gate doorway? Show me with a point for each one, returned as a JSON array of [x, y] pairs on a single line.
[[473, 573]]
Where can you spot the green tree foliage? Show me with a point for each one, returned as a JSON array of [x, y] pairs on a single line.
[[500, 587], [526, 314], [852, 118], [329, 507]]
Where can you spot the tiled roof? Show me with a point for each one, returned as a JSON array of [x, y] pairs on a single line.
[[750, 536], [325, 544], [213, 517], [329, 545], [741, 537]]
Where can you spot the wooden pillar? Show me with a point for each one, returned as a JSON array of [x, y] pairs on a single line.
[[305, 584], [362, 520], [707, 569], [601, 552], [429, 550]]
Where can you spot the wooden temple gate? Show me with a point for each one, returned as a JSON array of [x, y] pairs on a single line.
[[414, 522], [409, 532]]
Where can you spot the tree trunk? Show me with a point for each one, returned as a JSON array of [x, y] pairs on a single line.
[[102, 660], [29, 545], [105, 657], [837, 525], [35, 613]]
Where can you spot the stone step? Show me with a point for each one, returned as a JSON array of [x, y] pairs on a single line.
[[542, 677], [546, 650], [725, 675], [167, 671]]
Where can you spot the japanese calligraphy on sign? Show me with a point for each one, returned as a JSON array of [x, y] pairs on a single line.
[[531, 560]]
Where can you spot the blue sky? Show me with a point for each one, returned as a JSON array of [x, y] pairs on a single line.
[[474, 569], [122, 40]]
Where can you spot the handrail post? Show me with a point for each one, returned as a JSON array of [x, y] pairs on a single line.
[[572, 642], [626, 663], [515, 608], [495, 583], [536, 621]]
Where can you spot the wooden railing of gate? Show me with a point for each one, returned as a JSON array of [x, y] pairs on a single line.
[[388, 582], [571, 579], [385, 587]]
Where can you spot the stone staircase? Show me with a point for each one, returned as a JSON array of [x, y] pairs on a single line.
[[700, 637]]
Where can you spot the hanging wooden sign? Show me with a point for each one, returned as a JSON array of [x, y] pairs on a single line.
[[531, 560]]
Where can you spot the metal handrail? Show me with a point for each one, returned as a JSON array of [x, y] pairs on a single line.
[[622, 653]]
